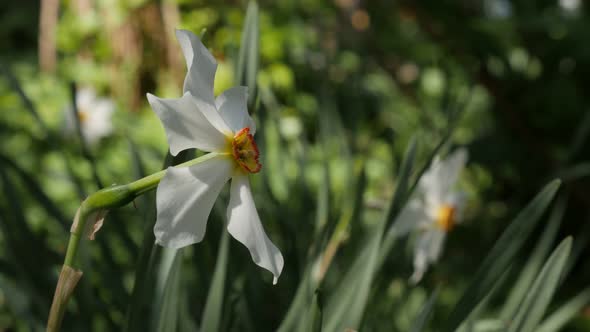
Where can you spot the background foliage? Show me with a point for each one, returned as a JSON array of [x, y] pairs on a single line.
[[342, 87]]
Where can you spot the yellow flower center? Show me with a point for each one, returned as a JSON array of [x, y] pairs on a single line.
[[82, 116], [445, 217], [245, 151]]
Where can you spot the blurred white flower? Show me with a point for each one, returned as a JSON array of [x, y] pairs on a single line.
[[433, 211], [222, 126], [570, 5], [94, 114]]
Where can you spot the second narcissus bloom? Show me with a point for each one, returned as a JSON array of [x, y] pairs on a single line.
[[223, 127], [433, 211], [94, 116]]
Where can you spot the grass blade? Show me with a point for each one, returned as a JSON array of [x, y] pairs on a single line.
[[213, 310], [557, 320], [534, 263], [37, 192], [420, 322], [168, 291], [316, 313], [143, 288], [247, 68], [399, 197], [539, 296], [347, 304], [501, 255]]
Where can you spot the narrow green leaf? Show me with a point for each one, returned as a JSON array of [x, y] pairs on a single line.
[[539, 296], [399, 198], [346, 306], [534, 263], [247, 68], [489, 325], [575, 172], [212, 314], [138, 307], [299, 304], [557, 320], [420, 322], [166, 311], [316, 312], [501, 255], [37, 192], [17, 87], [144, 299], [83, 144]]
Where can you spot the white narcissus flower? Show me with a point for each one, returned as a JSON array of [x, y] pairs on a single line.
[[94, 114], [433, 211], [222, 126]]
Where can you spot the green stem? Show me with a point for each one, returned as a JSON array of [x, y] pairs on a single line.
[[99, 202]]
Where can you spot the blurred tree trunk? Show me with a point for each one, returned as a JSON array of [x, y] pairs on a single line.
[[47, 30]]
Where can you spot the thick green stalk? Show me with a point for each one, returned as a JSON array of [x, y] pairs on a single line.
[[96, 206]]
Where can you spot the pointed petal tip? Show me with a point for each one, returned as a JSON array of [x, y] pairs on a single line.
[[151, 98]]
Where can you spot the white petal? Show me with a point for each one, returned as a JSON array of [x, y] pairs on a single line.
[[420, 266], [435, 245], [411, 217], [232, 104], [213, 116], [442, 175], [245, 226], [85, 98], [427, 251], [458, 200], [186, 124], [201, 66], [184, 200]]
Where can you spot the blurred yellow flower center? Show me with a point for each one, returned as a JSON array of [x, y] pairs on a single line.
[[82, 116], [245, 151], [445, 217]]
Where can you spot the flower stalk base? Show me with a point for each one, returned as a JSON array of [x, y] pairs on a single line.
[[93, 209]]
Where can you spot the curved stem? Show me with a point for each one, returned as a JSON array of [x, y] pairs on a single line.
[[93, 206]]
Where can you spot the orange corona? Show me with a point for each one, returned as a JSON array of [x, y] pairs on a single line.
[[445, 218], [245, 151], [82, 116]]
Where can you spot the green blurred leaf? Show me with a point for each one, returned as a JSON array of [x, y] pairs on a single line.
[[575, 172], [539, 295], [296, 310], [316, 312], [248, 58], [557, 320], [535, 262], [167, 298], [501, 255], [146, 301], [138, 307], [420, 322], [399, 197], [346, 306], [37, 192], [212, 314]]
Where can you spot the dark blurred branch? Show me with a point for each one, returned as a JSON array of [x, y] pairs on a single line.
[[85, 152]]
